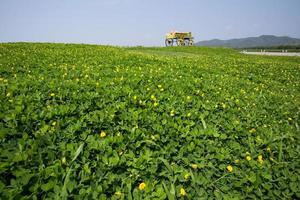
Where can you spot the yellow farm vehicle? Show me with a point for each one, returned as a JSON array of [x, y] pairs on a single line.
[[179, 38]]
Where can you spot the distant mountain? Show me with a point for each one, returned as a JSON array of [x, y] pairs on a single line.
[[261, 41]]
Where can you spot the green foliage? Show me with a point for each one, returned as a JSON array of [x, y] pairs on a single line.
[[94, 122]]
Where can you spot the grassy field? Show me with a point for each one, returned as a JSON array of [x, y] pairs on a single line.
[[99, 122]]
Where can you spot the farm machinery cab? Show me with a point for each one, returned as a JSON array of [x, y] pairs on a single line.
[[179, 38]]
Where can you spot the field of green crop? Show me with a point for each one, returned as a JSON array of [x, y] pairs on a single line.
[[100, 122]]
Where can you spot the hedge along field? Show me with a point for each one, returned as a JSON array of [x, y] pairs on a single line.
[[100, 122]]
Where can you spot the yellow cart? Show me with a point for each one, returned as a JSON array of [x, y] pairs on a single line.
[[179, 38]]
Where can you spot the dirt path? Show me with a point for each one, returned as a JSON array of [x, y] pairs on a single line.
[[272, 53]]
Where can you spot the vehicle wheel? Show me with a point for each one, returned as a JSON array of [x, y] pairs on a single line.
[[169, 42], [180, 42], [186, 42]]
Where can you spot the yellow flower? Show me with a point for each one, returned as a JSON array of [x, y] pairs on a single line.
[[223, 105], [153, 97], [194, 166], [260, 159], [63, 160], [118, 193], [134, 97], [189, 114], [52, 94], [172, 113], [182, 192], [8, 94], [252, 130], [142, 186], [186, 176], [229, 168], [53, 123], [102, 134], [248, 158], [155, 104], [188, 97], [159, 86]]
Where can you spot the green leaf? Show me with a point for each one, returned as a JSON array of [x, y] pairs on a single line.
[[129, 194], [252, 177], [48, 186], [78, 151], [167, 165], [169, 191]]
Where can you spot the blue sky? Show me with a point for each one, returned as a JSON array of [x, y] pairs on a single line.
[[144, 22]]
